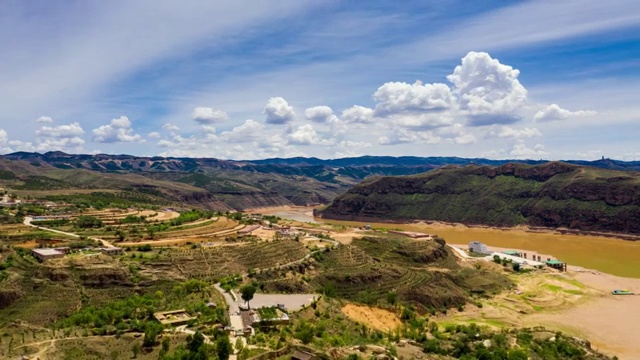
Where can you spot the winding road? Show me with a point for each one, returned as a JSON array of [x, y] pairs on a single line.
[[27, 221]]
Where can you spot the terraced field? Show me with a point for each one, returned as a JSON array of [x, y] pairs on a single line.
[[211, 263], [13, 234], [379, 271]]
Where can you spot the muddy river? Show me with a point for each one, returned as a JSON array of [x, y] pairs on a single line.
[[613, 256]]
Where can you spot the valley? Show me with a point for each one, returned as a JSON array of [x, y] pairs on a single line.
[[350, 270], [122, 246]]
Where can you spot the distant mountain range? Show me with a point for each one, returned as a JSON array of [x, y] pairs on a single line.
[[227, 184]]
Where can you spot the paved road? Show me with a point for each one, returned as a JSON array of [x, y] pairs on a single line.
[[27, 221], [461, 253]]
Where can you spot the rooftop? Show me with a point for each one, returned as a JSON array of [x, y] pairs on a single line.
[[47, 252], [174, 316], [511, 252], [554, 262]]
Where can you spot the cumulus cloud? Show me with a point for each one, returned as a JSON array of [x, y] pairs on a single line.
[[207, 115], [4, 137], [4, 141], [554, 112], [279, 111], [483, 92], [58, 138], [403, 98], [404, 136], [154, 135], [358, 115], [171, 127], [509, 132], [61, 131], [320, 114], [250, 131], [304, 135], [487, 90], [44, 119], [118, 130], [521, 150], [422, 121]]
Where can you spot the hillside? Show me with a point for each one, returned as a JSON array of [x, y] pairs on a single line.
[[555, 195]]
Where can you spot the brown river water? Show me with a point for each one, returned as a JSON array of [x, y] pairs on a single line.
[[609, 255]]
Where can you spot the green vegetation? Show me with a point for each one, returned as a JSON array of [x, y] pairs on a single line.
[[102, 200], [268, 313], [85, 221], [190, 216], [43, 183], [132, 219], [247, 292]]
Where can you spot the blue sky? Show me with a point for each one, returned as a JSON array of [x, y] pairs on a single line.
[[255, 79]]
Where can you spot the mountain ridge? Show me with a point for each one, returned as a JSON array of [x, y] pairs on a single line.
[[551, 195], [225, 184]]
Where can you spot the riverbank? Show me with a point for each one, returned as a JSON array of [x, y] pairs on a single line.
[[605, 254], [592, 312]]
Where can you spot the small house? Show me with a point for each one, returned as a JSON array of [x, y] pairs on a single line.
[[47, 254], [112, 251]]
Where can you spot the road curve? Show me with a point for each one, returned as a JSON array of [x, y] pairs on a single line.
[[27, 221]]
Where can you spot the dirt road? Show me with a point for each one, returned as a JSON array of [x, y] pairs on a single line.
[[27, 221]]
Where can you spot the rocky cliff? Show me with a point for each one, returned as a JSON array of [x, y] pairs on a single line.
[[555, 195]]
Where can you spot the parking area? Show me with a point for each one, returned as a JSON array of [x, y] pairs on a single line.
[[292, 302]]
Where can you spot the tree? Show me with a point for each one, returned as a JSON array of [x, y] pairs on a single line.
[[151, 332], [392, 297], [223, 347], [516, 267], [247, 292], [196, 342]]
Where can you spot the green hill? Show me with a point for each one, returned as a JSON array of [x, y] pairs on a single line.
[[550, 195]]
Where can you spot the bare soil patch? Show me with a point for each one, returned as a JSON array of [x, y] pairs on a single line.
[[375, 318]]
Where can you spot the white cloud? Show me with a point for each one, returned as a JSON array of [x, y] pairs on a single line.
[[304, 135], [207, 115], [58, 138], [61, 131], [403, 98], [209, 129], [554, 112], [358, 114], [171, 127], [4, 141], [154, 135], [521, 150], [118, 130], [488, 90], [320, 114], [44, 119], [4, 137], [250, 131], [509, 132], [279, 111], [424, 121], [404, 136]]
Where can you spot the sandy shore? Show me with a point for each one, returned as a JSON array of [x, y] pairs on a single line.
[[611, 323]]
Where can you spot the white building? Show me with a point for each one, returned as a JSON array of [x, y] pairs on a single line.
[[478, 247]]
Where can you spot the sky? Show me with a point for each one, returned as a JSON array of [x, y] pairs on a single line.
[[254, 79]]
